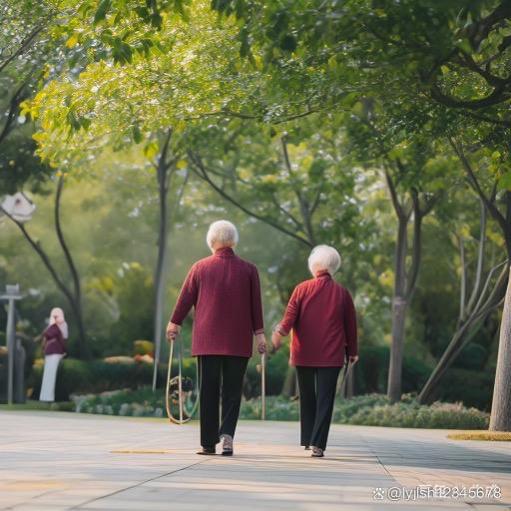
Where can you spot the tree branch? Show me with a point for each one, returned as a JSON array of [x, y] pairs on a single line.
[[480, 255], [393, 195], [22, 48], [201, 171], [416, 245], [496, 214], [44, 258], [463, 284], [13, 107], [302, 201], [62, 241]]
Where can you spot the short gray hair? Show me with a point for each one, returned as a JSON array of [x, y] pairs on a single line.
[[223, 232], [324, 257]]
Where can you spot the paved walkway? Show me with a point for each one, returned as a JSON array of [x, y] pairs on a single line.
[[56, 461]]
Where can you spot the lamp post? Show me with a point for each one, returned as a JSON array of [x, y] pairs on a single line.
[[12, 293]]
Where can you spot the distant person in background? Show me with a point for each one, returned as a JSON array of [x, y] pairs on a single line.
[[226, 294], [322, 316], [54, 348]]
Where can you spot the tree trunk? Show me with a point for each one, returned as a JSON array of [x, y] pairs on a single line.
[[76, 303], [159, 274], [163, 174], [399, 306], [500, 419]]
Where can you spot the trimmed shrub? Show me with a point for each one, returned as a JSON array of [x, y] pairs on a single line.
[[369, 410], [412, 415], [143, 348], [142, 402], [80, 377]]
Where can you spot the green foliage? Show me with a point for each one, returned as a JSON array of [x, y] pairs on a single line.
[[473, 357], [349, 88], [78, 377], [411, 415], [143, 348], [375, 410], [472, 387], [132, 289], [116, 29], [369, 410], [20, 167], [372, 371], [140, 402]]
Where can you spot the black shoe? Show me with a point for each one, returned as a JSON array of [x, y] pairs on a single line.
[[307, 448], [207, 451]]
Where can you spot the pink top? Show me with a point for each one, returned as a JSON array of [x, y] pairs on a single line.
[[324, 322], [226, 293]]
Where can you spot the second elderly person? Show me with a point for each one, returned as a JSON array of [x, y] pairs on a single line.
[[226, 294], [322, 316]]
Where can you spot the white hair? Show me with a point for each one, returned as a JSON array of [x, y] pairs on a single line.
[[223, 232], [57, 318], [324, 257]]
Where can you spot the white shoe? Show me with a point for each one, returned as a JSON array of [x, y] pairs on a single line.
[[227, 445], [317, 452]]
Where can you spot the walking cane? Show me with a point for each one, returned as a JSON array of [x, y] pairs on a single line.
[[180, 383], [263, 386], [344, 380]]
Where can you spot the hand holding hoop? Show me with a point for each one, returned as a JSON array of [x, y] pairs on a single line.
[[172, 331]]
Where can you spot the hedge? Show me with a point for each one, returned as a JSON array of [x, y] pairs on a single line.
[[370, 410], [79, 377]]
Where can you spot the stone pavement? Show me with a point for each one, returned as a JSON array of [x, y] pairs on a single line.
[[55, 461]]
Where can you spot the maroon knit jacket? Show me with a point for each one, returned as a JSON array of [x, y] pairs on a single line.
[[226, 293], [324, 322], [55, 344]]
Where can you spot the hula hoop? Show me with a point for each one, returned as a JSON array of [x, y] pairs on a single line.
[[189, 413]]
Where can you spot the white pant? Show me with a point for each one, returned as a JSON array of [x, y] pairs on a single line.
[[51, 365]]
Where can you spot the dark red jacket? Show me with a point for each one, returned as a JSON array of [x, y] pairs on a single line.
[[226, 293], [54, 342], [322, 316]]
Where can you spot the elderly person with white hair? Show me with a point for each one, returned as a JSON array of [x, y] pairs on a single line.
[[54, 347], [322, 316], [226, 294]]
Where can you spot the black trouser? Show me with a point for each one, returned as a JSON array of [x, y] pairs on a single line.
[[317, 393], [217, 371]]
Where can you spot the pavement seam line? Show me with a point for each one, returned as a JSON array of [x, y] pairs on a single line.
[[141, 483]]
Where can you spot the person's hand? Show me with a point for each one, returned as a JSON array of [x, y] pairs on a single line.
[[261, 343], [353, 359], [172, 331], [276, 340]]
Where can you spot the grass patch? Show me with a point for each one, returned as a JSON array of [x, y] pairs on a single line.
[[63, 406], [488, 436]]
